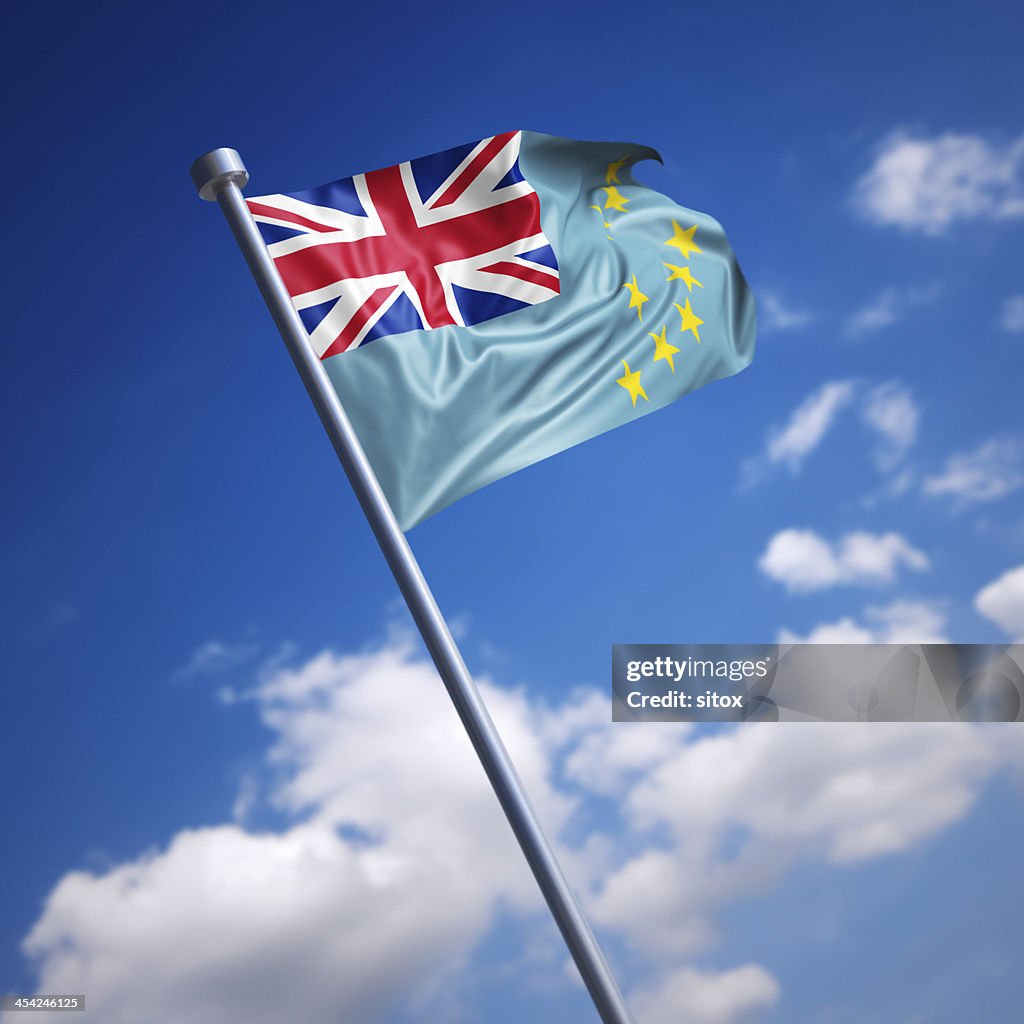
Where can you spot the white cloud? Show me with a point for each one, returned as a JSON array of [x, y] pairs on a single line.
[[759, 782], [898, 481], [610, 764], [803, 561], [1013, 314], [376, 899], [880, 312], [890, 411], [901, 622], [780, 795], [351, 727], [707, 997], [928, 184], [215, 657], [843, 631], [888, 307], [1002, 601], [808, 424], [227, 925], [992, 470], [773, 315], [399, 865]]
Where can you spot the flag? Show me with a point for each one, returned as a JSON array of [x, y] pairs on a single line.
[[480, 309]]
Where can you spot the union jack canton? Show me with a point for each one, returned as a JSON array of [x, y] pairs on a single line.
[[452, 238]]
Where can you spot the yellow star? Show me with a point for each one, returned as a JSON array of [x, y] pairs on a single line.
[[636, 297], [664, 349], [683, 240], [612, 177], [603, 221], [690, 319], [616, 200], [682, 274], [631, 382]]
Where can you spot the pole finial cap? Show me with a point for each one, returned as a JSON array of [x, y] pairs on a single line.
[[213, 170]]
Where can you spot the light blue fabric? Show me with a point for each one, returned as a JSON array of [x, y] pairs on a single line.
[[441, 413]]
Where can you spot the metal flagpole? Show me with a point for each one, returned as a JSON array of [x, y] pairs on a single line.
[[220, 177]]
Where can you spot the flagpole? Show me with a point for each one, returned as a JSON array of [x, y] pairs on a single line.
[[220, 176]]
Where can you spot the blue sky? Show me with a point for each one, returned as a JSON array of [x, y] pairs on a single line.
[[200, 633]]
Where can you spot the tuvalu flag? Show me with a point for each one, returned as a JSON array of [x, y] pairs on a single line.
[[481, 309]]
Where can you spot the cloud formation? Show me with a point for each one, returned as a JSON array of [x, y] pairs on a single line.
[[374, 902], [780, 797], [928, 184], [888, 412], [216, 657], [900, 622], [1012, 319], [803, 561], [806, 428], [889, 307], [228, 925], [809, 424], [891, 413], [710, 998], [774, 315], [992, 470], [1002, 601]]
